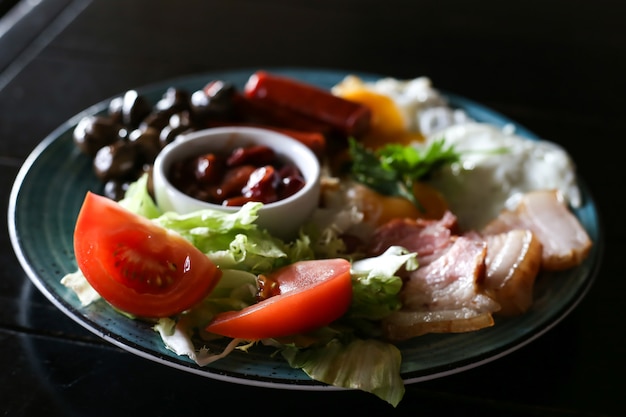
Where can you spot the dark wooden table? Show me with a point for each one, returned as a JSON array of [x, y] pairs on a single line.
[[557, 67]]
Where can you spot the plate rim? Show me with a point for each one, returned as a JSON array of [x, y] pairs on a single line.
[[125, 344]]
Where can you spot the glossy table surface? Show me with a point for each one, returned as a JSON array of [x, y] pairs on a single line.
[[555, 67]]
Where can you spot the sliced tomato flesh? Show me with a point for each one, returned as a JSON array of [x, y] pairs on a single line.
[[312, 294], [136, 265]]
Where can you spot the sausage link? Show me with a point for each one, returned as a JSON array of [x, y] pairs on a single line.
[[347, 117]]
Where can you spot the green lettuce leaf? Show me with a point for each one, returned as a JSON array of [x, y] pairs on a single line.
[[369, 365], [138, 200], [231, 240], [375, 284]]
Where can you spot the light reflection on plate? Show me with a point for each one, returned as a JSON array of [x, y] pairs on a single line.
[[50, 189]]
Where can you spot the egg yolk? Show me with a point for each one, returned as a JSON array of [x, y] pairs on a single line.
[[387, 124]]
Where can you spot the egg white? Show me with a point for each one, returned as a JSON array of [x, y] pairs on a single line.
[[496, 168]]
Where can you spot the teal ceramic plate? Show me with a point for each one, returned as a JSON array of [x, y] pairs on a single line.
[[50, 189]]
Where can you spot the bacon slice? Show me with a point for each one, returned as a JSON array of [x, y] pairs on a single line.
[[513, 263], [565, 241], [405, 324], [444, 293], [425, 237]]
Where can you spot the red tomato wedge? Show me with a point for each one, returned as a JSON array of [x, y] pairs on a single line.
[[312, 294], [137, 266]]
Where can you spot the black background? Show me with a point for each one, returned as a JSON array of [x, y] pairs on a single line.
[[556, 67]]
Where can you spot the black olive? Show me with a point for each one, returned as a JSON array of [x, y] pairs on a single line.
[[118, 161], [157, 120], [174, 100], [115, 109], [147, 143], [221, 91], [170, 133], [94, 132], [182, 119], [213, 102], [179, 123], [135, 108], [125, 142], [115, 189], [150, 183]]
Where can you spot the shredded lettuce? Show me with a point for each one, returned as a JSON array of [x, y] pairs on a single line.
[[231, 240], [178, 340], [369, 365], [375, 284], [77, 282], [326, 228], [343, 354], [138, 200]]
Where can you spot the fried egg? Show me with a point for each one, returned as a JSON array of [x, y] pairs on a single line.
[[497, 166], [403, 111]]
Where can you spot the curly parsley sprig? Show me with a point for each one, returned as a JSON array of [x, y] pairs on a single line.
[[393, 169]]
